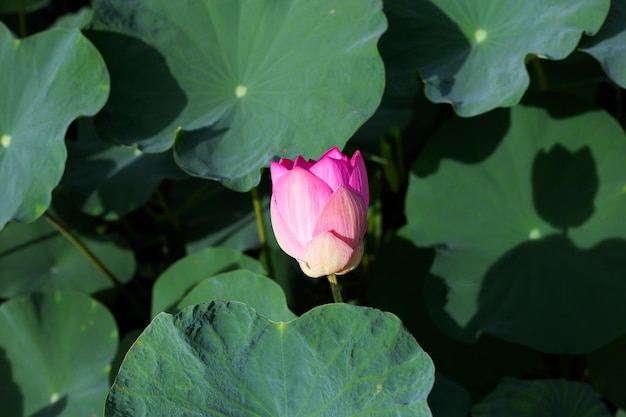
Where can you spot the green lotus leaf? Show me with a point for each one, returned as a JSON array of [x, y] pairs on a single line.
[[556, 398], [61, 76], [265, 78], [523, 210], [57, 349], [223, 358], [472, 53]]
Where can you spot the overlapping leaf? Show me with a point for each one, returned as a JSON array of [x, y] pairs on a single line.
[[181, 277], [36, 257], [254, 290], [472, 53], [608, 46], [35, 110], [111, 181], [226, 359], [263, 78], [524, 213]]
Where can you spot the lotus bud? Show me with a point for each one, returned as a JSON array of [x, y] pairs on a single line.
[[319, 211]]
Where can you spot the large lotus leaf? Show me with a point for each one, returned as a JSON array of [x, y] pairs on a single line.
[[472, 53], [254, 290], [47, 81], [36, 257], [223, 358], [58, 348], [176, 281], [554, 398], [13, 6], [111, 181], [523, 207], [608, 46], [264, 78], [607, 371]]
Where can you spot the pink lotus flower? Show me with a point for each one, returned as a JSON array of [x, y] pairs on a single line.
[[319, 211]]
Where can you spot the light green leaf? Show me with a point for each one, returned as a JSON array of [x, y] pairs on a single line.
[[61, 76], [265, 78], [58, 350], [255, 290], [223, 358], [175, 282], [78, 20], [36, 257], [554, 398], [524, 212], [472, 53], [608, 46]]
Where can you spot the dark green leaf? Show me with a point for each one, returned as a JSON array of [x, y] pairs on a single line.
[[554, 398]]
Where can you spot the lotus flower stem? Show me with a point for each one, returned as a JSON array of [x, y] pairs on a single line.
[[334, 287], [542, 80], [67, 233], [21, 13], [256, 202]]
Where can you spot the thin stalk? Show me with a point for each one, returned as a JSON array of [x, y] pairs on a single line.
[[21, 15], [542, 80], [334, 288], [265, 249], [69, 235]]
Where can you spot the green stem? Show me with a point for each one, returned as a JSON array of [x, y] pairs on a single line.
[[334, 288], [256, 202], [542, 80], [21, 15], [69, 235]]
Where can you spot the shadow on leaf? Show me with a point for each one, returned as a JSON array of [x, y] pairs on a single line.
[[145, 98]]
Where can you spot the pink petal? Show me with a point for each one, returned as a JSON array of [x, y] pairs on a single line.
[[344, 214], [334, 153], [333, 172], [302, 163], [326, 254], [278, 169], [284, 236], [358, 179], [299, 197]]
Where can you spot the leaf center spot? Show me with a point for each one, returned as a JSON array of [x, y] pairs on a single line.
[[480, 35], [241, 91], [54, 397], [5, 141], [534, 234]]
